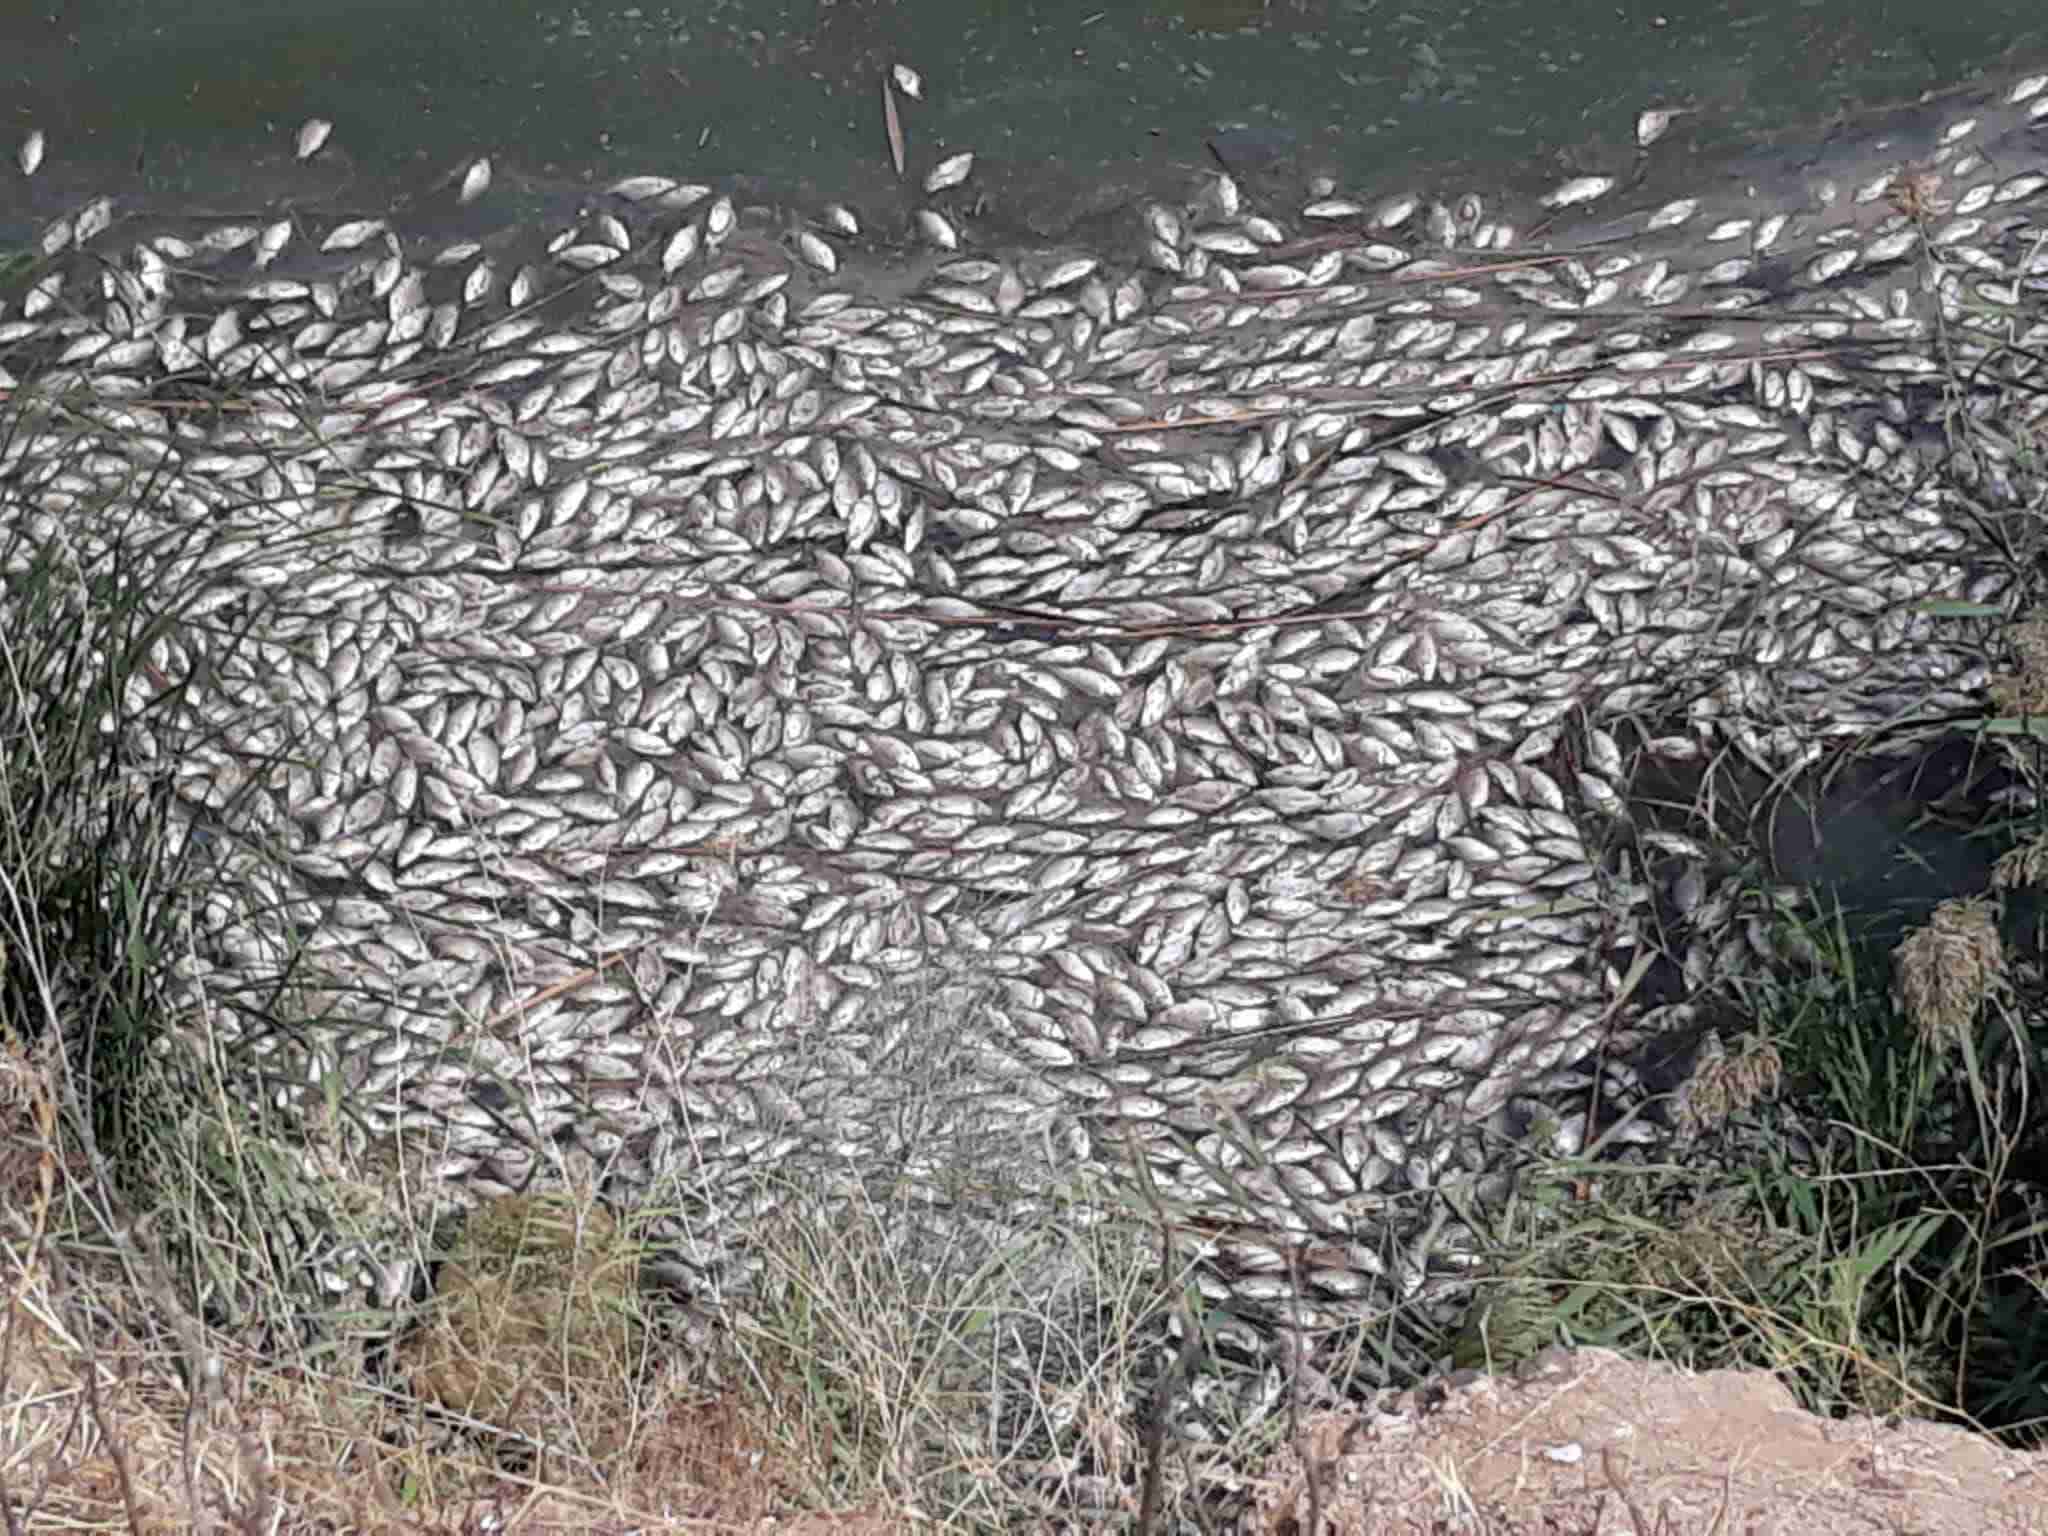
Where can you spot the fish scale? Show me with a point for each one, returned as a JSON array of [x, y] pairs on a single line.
[[784, 608]]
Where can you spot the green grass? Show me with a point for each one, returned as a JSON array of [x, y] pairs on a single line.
[[1875, 1233]]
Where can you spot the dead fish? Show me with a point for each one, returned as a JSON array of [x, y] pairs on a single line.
[[719, 220], [1673, 213], [271, 241], [640, 189], [1651, 123], [312, 135], [682, 245], [908, 82], [1580, 189], [31, 154], [950, 172], [93, 220], [1395, 211], [476, 180], [815, 251], [347, 237], [1332, 208]]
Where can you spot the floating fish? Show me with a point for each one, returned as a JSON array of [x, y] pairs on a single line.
[[1580, 189], [950, 172], [817, 252]]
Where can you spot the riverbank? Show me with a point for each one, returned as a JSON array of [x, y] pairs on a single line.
[[1110, 765]]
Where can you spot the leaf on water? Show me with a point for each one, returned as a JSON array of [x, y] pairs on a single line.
[[895, 127]]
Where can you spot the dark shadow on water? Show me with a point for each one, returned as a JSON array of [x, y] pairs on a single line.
[[1877, 842]]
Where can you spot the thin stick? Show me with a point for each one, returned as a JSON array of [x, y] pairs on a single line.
[[895, 126]]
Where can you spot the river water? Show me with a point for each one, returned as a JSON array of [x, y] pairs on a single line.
[[1073, 107]]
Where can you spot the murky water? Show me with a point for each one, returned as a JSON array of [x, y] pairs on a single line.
[[1073, 106]]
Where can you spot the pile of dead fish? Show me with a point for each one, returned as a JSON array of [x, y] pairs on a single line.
[[686, 704]]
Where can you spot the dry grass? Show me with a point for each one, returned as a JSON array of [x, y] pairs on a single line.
[[880, 1377], [506, 1417], [1948, 968]]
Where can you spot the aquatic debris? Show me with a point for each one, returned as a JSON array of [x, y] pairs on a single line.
[[893, 126]]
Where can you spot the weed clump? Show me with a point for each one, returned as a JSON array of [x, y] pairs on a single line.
[[1948, 969]]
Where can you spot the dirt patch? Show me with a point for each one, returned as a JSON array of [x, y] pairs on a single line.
[[1591, 1443]]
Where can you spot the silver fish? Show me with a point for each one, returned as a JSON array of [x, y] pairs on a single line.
[[816, 251], [950, 172], [1651, 124], [641, 189], [1396, 211], [352, 235], [1580, 189], [1673, 213]]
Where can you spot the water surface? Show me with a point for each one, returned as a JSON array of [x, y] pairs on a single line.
[[1074, 107]]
